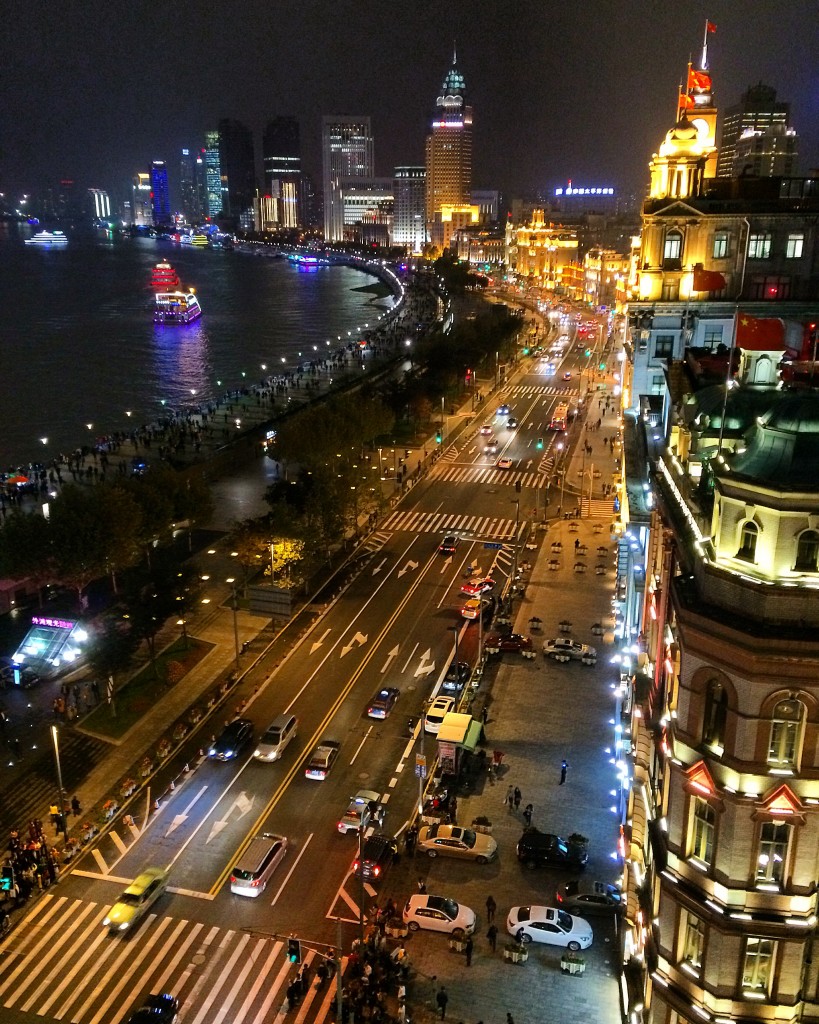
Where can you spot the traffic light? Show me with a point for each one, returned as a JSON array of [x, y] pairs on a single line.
[[294, 951], [540, 444], [602, 366], [526, 351], [438, 437], [588, 352]]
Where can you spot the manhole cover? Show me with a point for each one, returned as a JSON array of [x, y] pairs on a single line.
[[198, 959], [363, 776]]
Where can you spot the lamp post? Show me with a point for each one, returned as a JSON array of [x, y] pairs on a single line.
[[442, 421], [56, 742], [232, 581], [517, 525], [365, 821]]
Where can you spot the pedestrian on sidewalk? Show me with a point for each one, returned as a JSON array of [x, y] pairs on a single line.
[[485, 714], [528, 811], [492, 935], [442, 999], [509, 799], [468, 951], [422, 887], [564, 768], [509, 1019], [491, 907], [76, 808], [517, 798]]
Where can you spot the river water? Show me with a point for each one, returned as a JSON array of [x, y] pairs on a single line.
[[78, 344]]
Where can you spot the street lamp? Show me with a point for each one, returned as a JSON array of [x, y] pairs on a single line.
[[517, 525], [232, 581], [55, 740]]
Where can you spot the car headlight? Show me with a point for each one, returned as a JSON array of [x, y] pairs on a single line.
[[212, 752], [228, 753], [123, 926], [106, 921]]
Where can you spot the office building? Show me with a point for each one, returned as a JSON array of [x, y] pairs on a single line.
[[347, 153], [191, 167], [141, 212], [488, 202], [216, 193], [281, 159], [539, 252], [449, 147], [756, 136], [237, 162], [160, 193], [367, 210], [409, 224], [99, 204]]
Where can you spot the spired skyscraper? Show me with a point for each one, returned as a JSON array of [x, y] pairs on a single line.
[[347, 152], [449, 147]]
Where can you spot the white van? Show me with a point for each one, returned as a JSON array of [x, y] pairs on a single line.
[[278, 734], [254, 868]]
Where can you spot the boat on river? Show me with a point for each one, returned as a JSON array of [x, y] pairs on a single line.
[[173, 304], [49, 239]]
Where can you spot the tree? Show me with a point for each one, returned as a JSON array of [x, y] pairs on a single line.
[[25, 549]]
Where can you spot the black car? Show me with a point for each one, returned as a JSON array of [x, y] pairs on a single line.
[[157, 1009], [537, 848], [377, 853], [456, 678], [235, 737], [448, 544], [383, 702]]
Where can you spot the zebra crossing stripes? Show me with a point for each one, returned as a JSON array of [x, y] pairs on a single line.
[[61, 963], [539, 391], [489, 527], [488, 475], [598, 508]]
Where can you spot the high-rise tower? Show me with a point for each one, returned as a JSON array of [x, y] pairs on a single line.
[[449, 147], [216, 197], [160, 195], [756, 136], [281, 155], [237, 160], [347, 152]]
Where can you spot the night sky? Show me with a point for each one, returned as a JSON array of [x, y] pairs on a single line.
[[96, 90]]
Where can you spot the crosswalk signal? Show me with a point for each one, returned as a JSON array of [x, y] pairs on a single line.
[[540, 444], [438, 437], [588, 352], [294, 951]]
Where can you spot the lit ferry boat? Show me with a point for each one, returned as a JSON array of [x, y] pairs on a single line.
[[49, 239], [173, 304]]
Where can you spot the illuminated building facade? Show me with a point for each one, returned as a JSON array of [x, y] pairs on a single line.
[[141, 213], [605, 276], [449, 221], [409, 226], [449, 147], [538, 252], [216, 194], [756, 137], [160, 193], [281, 157], [100, 204], [192, 185], [347, 153], [367, 210]]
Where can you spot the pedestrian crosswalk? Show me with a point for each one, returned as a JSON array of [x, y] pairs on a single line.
[[61, 963], [537, 391], [597, 508], [488, 475], [482, 527]]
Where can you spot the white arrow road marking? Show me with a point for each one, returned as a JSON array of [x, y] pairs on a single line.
[[380, 566], [446, 565], [407, 567], [180, 819], [318, 643], [393, 654], [425, 668], [344, 895], [358, 639], [243, 803]]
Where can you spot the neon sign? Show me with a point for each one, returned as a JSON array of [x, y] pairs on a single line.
[[40, 620]]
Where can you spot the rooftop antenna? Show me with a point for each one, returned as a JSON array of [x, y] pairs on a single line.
[[709, 27], [454, 52]]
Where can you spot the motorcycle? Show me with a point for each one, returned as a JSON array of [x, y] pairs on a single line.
[[411, 723]]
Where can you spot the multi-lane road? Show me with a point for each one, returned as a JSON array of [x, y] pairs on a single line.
[[394, 625]]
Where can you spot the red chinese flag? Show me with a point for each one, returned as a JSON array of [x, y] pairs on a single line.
[[760, 333], [686, 101], [710, 26], [698, 79], [707, 280]]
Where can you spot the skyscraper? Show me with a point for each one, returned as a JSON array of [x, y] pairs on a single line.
[[281, 156], [756, 136], [160, 194], [213, 176], [449, 147], [347, 152], [238, 164], [409, 225], [190, 194]]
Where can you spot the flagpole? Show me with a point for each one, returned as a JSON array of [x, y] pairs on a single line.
[[704, 64], [728, 379]]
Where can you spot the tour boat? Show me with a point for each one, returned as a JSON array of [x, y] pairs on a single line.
[[164, 278], [48, 239], [179, 307]]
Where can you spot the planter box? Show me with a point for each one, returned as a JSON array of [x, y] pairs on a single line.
[[457, 945], [516, 956], [485, 828], [572, 966], [397, 931]]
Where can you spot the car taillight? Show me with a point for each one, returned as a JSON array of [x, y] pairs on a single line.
[[256, 882], [355, 865], [376, 871]]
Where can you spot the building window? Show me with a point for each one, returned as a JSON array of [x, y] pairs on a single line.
[[756, 968], [787, 723], [705, 818], [663, 346], [807, 552], [672, 250], [794, 245], [773, 849], [716, 714], [720, 250], [747, 542], [759, 245], [693, 939], [712, 336], [670, 290], [775, 289]]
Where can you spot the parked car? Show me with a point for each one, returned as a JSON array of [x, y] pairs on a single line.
[[454, 841], [456, 678], [434, 715], [323, 759], [562, 649], [476, 606], [475, 588], [383, 702], [536, 848], [366, 801], [547, 924], [137, 900], [377, 852], [448, 544], [162, 1008], [497, 643], [585, 898], [236, 735], [438, 914]]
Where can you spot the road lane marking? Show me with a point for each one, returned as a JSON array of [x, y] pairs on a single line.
[[290, 872], [180, 819], [262, 1015], [261, 979], [318, 643], [409, 659], [360, 745], [124, 977]]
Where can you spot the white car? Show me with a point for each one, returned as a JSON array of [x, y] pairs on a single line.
[[547, 924], [562, 649], [438, 914], [366, 801], [435, 713], [486, 429]]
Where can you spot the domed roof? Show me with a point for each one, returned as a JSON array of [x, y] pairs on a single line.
[[454, 83], [682, 140], [782, 446], [794, 411], [704, 410]]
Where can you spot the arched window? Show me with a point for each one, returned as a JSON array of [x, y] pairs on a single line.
[[716, 714], [807, 552], [672, 250], [787, 726], [747, 541]]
